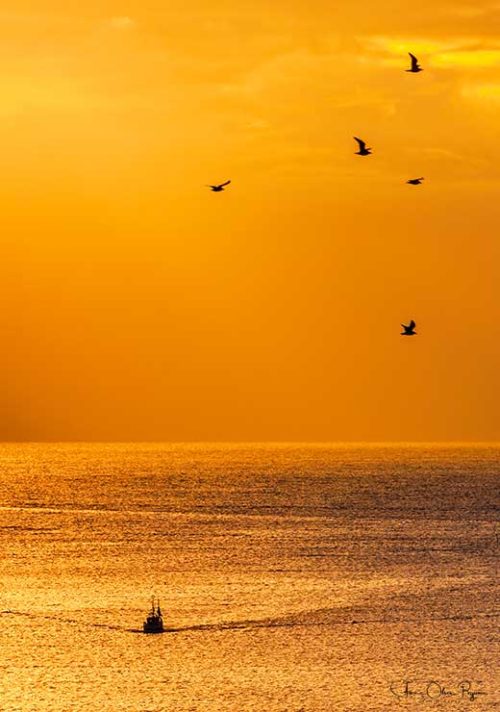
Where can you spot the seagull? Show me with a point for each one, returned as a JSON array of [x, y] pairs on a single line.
[[219, 187], [409, 330], [363, 150], [415, 66], [415, 181]]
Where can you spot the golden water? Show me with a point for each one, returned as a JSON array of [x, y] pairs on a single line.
[[291, 577]]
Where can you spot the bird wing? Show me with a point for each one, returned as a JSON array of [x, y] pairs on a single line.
[[414, 60], [404, 326], [412, 324], [223, 184], [362, 144]]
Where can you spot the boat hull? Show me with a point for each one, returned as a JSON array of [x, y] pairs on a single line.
[[153, 627], [152, 632]]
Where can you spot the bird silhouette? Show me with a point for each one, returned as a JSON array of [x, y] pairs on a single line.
[[218, 188], [415, 181], [415, 66], [363, 150], [409, 330]]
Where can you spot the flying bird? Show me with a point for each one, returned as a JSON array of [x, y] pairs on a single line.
[[363, 150], [218, 188], [415, 181], [415, 66], [409, 330]]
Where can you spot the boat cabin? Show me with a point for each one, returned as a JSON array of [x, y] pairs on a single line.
[[154, 621]]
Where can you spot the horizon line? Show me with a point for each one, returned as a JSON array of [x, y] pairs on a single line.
[[255, 442]]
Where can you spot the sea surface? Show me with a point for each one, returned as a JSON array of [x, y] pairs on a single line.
[[350, 578]]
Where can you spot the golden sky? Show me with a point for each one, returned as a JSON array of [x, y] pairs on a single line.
[[138, 305]]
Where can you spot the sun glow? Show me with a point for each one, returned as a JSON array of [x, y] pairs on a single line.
[[138, 304]]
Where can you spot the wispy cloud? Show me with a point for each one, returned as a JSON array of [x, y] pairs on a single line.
[[48, 95], [440, 153], [447, 52], [122, 23], [401, 45], [484, 92], [317, 76], [471, 58], [473, 11]]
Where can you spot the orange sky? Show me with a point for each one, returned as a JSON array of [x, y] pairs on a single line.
[[137, 305]]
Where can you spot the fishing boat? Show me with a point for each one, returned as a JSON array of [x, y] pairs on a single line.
[[154, 621]]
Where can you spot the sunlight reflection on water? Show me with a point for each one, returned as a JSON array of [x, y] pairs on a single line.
[[291, 576]]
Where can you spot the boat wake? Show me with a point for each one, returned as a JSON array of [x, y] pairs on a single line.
[[292, 621], [61, 619]]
